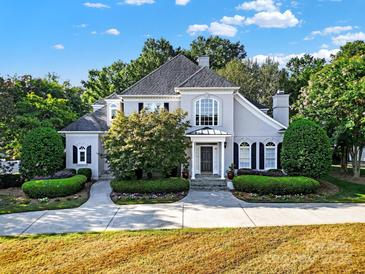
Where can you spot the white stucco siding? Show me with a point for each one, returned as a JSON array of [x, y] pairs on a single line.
[[247, 124], [85, 139]]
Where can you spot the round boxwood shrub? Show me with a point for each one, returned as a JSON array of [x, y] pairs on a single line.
[[54, 187], [306, 150], [86, 172], [275, 185], [42, 152]]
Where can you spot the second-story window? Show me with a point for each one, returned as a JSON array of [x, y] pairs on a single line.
[[153, 106], [113, 111], [206, 112]]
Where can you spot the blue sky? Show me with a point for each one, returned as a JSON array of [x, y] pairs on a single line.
[[69, 37]]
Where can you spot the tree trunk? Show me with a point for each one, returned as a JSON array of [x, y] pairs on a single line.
[[356, 160], [344, 159]]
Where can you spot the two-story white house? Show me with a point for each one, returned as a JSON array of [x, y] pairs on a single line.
[[225, 128]]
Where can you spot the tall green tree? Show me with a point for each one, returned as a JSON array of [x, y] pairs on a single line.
[[119, 75], [335, 98], [300, 69], [257, 82], [28, 102], [221, 51]]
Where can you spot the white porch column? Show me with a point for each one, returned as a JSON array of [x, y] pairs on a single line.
[[193, 160], [222, 160]]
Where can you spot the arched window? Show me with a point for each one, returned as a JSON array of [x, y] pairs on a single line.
[[270, 159], [206, 112], [245, 155], [113, 111], [82, 155]]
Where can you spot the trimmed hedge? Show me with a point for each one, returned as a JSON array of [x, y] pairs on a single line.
[[270, 172], [86, 172], [306, 150], [11, 180], [167, 185], [275, 185], [54, 187]]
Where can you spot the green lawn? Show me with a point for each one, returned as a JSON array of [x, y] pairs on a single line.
[[291, 249], [348, 192]]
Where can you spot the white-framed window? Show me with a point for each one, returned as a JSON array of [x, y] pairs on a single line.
[[270, 156], [82, 155], [245, 155], [206, 112], [153, 106], [113, 111]]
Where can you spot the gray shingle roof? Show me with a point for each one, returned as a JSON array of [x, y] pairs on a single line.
[[257, 104], [100, 102], [206, 77], [163, 80], [95, 121]]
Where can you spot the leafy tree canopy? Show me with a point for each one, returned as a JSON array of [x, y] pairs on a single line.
[[335, 98], [148, 141], [119, 75], [258, 82]]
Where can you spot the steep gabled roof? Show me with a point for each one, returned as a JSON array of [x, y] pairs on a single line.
[[95, 121], [205, 78], [164, 79]]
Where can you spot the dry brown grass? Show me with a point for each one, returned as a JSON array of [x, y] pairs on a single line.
[[299, 249]]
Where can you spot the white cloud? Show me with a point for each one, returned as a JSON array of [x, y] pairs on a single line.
[[93, 32], [137, 2], [196, 28], [214, 28], [96, 5], [236, 20], [112, 31], [328, 31], [273, 19], [58, 46], [282, 59], [348, 37], [221, 29], [259, 5], [182, 2]]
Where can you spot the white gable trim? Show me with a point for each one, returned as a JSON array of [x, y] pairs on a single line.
[[257, 112]]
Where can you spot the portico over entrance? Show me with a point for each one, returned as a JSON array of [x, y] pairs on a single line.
[[207, 151]]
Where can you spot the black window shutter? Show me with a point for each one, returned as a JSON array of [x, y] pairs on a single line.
[[235, 155], [88, 155], [74, 158], [262, 156], [279, 155], [253, 156], [140, 107], [166, 106]]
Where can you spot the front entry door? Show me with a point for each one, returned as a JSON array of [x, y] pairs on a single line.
[[206, 159]]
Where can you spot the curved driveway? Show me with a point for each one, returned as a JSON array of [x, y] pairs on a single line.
[[198, 209]]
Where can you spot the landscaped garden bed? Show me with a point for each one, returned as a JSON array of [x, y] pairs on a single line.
[[331, 190], [14, 200], [151, 191]]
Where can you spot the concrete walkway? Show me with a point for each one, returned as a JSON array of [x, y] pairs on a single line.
[[198, 209]]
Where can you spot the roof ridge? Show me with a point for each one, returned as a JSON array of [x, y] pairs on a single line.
[[155, 70], [191, 76]]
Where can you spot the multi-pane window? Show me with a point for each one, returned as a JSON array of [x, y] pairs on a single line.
[[244, 155], [270, 151], [206, 112], [82, 155], [153, 106], [113, 111]]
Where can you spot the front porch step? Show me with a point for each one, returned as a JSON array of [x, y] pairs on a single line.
[[208, 184]]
